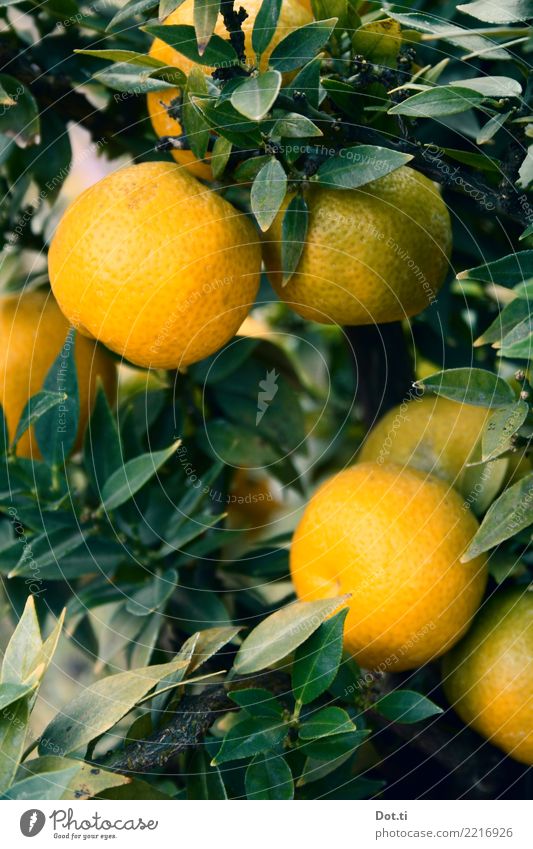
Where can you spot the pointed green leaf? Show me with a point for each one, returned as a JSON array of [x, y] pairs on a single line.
[[130, 10], [218, 53], [269, 777], [153, 595], [436, 102], [265, 25], [257, 702], [49, 785], [268, 192], [295, 126], [57, 429], [36, 407], [293, 234], [205, 18], [509, 514], [251, 736], [204, 781], [13, 729], [256, 95], [301, 45], [507, 271], [317, 660], [101, 705], [499, 11], [474, 386], [282, 632], [501, 426], [102, 451], [128, 479], [329, 720], [24, 646], [357, 166], [406, 706]]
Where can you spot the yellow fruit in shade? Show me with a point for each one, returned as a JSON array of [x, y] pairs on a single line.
[[393, 538], [372, 255], [155, 265], [251, 501], [293, 14], [434, 435], [34, 332], [488, 676]]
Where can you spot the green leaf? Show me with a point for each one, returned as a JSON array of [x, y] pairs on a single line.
[[268, 192], [10, 693], [205, 18], [329, 720], [295, 126], [301, 45], [255, 96], [4, 433], [47, 548], [406, 706], [511, 315], [474, 386], [194, 124], [265, 25], [24, 647], [102, 451], [87, 781], [130, 10], [36, 407], [333, 746], [498, 11], [128, 479], [204, 781], [317, 660], [101, 705], [220, 156], [166, 7], [282, 632], [209, 642], [451, 34], [218, 53], [501, 426], [510, 513], [357, 166], [269, 777], [125, 56], [251, 736], [57, 429], [136, 79], [49, 785], [491, 86], [315, 769], [20, 120], [236, 446], [307, 81], [293, 235], [436, 102], [507, 271], [153, 595], [527, 232], [257, 702], [13, 729]]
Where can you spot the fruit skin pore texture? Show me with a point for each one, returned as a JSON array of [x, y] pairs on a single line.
[[372, 255], [488, 677], [393, 538], [34, 331], [154, 265], [293, 14]]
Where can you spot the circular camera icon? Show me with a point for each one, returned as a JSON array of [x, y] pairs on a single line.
[[32, 822]]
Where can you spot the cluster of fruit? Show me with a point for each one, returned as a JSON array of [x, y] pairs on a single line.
[[162, 270]]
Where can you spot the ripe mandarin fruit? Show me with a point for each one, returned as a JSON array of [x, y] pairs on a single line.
[[393, 538], [488, 677], [293, 14], [252, 502], [154, 265], [374, 254], [434, 435], [34, 332]]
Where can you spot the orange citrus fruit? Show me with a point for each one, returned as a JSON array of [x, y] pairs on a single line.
[[488, 676], [34, 333], [154, 265], [371, 255], [393, 538]]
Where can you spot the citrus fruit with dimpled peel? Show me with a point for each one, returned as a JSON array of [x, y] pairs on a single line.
[[488, 676], [34, 332], [156, 266], [393, 538], [372, 255], [293, 14], [435, 435]]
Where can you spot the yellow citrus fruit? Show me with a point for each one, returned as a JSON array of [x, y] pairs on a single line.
[[293, 14], [374, 254], [34, 332], [434, 435], [393, 538], [488, 677], [154, 265]]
